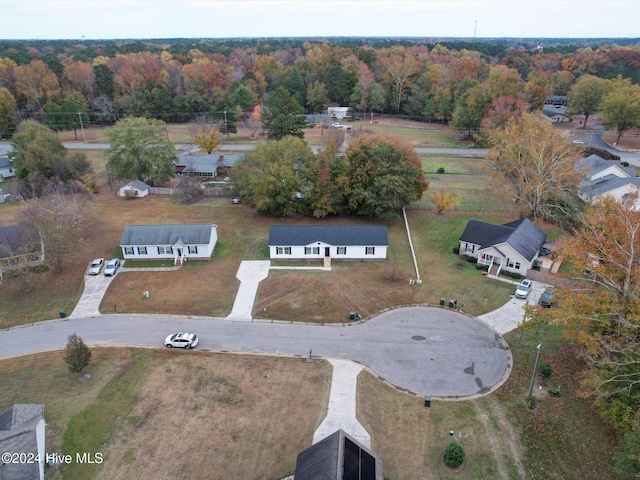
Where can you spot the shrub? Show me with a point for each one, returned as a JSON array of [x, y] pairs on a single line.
[[77, 354], [454, 455], [456, 250], [545, 369], [440, 170], [470, 259], [482, 267], [625, 164], [513, 275]]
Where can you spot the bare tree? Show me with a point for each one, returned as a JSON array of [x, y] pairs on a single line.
[[60, 220]]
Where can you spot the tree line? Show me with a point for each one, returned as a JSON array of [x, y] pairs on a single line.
[[447, 82]]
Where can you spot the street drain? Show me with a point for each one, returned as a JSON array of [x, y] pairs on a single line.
[[418, 337]]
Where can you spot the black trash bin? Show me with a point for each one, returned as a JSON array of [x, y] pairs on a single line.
[[427, 400], [442, 300], [62, 313]]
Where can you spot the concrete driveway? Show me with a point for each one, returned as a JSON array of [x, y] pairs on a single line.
[[511, 314], [95, 287]]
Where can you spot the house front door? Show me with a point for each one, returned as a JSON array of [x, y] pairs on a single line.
[[327, 251]]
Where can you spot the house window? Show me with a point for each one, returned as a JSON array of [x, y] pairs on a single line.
[[369, 250], [192, 249], [311, 250], [517, 265], [341, 250], [142, 250], [283, 250], [469, 248], [165, 250], [510, 263], [128, 250]]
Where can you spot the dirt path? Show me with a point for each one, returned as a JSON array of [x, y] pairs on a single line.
[[501, 436]]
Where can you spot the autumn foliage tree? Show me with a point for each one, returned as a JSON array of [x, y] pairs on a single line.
[[600, 302], [620, 107], [445, 199], [77, 354], [534, 164]]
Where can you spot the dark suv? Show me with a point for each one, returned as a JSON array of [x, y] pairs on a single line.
[[546, 299]]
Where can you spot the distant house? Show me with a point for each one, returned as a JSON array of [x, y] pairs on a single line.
[[177, 242], [135, 188], [340, 242], [6, 168], [20, 245], [204, 165], [338, 112], [338, 457], [556, 100], [556, 114], [605, 177], [22, 432], [512, 247]]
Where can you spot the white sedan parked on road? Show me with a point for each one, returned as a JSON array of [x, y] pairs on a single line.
[[181, 340]]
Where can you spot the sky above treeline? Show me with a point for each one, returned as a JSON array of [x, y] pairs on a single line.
[[147, 19]]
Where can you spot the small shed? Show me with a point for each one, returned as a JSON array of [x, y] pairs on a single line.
[[135, 188]]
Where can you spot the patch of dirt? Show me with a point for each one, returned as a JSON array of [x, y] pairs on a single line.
[[502, 437]]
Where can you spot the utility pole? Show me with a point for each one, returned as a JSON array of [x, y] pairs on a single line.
[[226, 126], [82, 127], [535, 367]]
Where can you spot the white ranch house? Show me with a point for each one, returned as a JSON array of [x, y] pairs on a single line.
[[512, 247], [339, 242], [178, 242]]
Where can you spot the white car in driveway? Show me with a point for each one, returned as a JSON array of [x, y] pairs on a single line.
[[111, 267], [181, 340], [96, 266], [524, 289]]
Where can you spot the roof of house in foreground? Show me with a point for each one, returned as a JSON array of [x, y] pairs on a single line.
[[17, 434], [522, 235], [338, 457], [340, 235], [192, 234]]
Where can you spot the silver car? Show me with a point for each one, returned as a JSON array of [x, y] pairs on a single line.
[[111, 267], [524, 288]]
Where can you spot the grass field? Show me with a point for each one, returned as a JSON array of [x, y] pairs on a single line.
[[238, 416]]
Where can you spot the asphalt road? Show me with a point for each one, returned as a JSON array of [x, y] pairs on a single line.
[[423, 350]]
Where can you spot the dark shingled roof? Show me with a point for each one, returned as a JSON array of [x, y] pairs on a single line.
[[522, 235], [18, 435], [190, 234], [338, 457], [340, 235]]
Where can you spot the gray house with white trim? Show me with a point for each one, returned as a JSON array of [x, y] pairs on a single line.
[[204, 165], [339, 242], [6, 168], [513, 246], [22, 431], [606, 177], [177, 242]]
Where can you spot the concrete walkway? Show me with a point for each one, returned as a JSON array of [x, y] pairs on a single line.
[[250, 274], [341, 413]]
